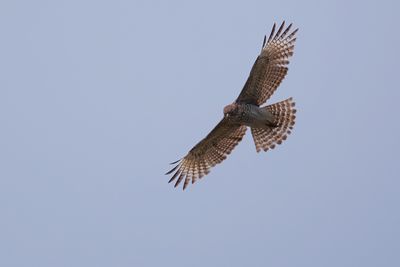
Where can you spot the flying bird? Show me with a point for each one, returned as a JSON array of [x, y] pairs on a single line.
[[270, 125]]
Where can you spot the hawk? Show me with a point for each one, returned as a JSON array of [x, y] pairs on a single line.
[[269, 125]]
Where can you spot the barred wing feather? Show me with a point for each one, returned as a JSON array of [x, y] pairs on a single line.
[[213, 149], [270, 67]]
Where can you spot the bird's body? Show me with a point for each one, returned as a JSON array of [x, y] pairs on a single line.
[[250, 115], [269, 124]]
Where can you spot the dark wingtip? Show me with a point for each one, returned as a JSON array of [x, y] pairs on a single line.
[[181, 176], [265, 40], [272, 32], [173, 169], [293, 34], [287, 30], [170, 180], [172, 163], [174, 176], [280, 29]]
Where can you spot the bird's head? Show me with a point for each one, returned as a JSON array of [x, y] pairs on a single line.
[[230, 109]]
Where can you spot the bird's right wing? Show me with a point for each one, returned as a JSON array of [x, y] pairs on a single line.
[[270, 67], [210, 151]]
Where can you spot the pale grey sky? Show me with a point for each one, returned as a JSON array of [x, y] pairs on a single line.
[[97, 97]]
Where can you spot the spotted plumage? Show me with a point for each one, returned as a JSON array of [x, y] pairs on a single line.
[[270, 125]]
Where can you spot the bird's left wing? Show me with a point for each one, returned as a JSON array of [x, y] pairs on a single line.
[[210, 151], [270, 67]]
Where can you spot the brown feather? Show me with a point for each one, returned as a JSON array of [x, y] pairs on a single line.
[[212, 150], [270, 67], [268, 138], [272, 33]]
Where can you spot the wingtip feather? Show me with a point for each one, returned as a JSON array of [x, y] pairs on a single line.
[[174, 176], [172, 170], [272, 32], [172, 163], [265, 40], [280, 29]]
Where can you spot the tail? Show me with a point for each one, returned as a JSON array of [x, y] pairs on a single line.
[[267, 138]]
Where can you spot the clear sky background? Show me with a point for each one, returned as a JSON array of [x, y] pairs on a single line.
[[97, 97]]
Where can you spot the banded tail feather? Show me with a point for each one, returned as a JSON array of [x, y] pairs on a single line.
[[268, 138]]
